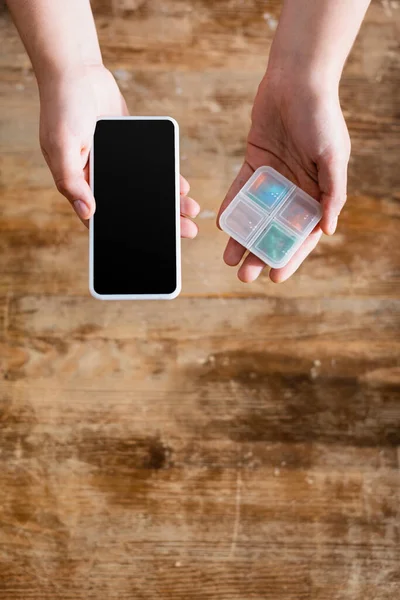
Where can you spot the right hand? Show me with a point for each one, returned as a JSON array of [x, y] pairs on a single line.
[[70, 104], [299, 131]]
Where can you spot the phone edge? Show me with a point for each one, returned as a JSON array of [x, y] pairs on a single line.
[[178, 288]]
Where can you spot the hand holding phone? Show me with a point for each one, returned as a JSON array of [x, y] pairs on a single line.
[[135, 231]]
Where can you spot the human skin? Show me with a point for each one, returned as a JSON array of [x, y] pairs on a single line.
[[297, 123], [75, 89], [298, 126]]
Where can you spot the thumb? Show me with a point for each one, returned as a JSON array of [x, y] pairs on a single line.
[[68, 165], [332, 180]]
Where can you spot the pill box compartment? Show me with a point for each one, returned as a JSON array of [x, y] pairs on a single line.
[[271, 217], [274, 243], [267, 188], [300, 212], [244, 218]]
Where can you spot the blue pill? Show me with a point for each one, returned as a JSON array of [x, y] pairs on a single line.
[[267, 193]]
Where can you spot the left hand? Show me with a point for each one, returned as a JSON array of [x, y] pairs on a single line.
[[66, 130]]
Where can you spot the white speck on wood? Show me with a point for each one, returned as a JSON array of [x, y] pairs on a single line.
[[271, 21], [121, 75], [387, 7], [207, 214]]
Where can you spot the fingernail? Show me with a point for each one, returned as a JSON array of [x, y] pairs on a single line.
[[81, 209], [196, 212]]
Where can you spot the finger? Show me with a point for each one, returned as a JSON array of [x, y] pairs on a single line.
[[184, 186], [124, 108], [188, 228], [233, 253], [281, 275], [189, 207], [68, 164], [251, 269], [332, 179], [244, 174]]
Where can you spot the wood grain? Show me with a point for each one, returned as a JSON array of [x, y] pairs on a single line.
[[241, 442]]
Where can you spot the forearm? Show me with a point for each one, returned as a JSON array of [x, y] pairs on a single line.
[[314, 38], [59, 35]]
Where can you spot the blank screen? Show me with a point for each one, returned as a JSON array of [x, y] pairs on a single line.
[[135, 220]]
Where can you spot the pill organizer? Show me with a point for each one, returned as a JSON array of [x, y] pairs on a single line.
[[271, 217]]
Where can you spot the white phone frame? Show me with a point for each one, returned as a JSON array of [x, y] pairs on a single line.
[[177, 291]]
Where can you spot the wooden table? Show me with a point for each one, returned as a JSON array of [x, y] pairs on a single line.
[[241, 442]]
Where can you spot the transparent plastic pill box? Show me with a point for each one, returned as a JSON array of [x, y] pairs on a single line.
[[271, 217]]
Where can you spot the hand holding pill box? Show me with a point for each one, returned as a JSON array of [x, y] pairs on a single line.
[[271, 217]]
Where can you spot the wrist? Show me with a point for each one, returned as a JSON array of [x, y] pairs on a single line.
[[292, 92], [303, 73], [52, 72]]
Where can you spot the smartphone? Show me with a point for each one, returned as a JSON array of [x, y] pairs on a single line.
[[135, 231]]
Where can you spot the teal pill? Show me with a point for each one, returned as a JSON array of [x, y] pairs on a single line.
[[275, 243]]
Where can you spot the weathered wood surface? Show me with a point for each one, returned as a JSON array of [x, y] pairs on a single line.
[[241, 442]]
